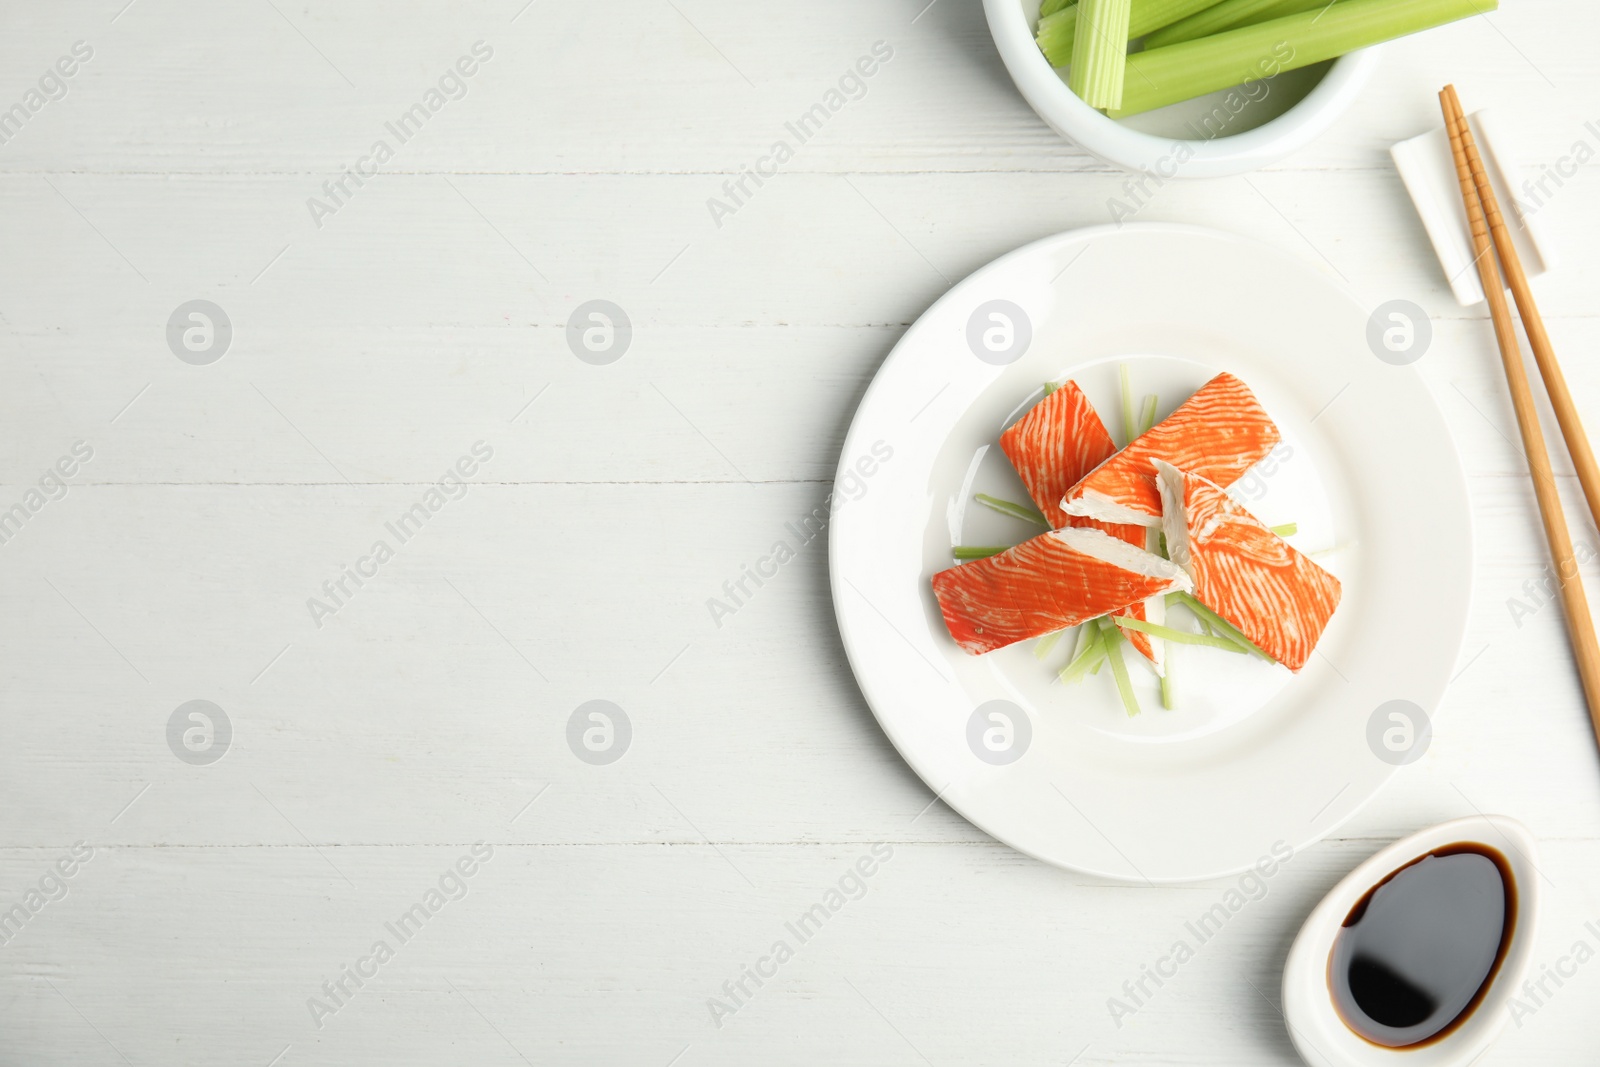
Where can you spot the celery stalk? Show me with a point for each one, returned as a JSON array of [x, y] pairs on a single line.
[[1016, 511], [1119, 667], [1050, 387], [1147, 418], [1285, 7], [1100, 52], [1058, 28], [966, 552], [1162, 76], [1056, 34], [1215, 19], [1042, 647], [1168, 700], [1288, 529], [1278, 10], [1050, 7], [1182, 637]]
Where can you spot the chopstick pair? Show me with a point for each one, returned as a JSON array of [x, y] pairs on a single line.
[[1486, 222]]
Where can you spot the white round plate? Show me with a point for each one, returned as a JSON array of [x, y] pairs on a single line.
[[1253, 757]]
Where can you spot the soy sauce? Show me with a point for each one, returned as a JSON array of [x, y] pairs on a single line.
[[1417, 954]]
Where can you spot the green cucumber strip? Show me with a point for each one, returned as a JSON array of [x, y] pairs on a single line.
[[1288, 529], [1100, 52], [966, 552], [1182, 637], [1147, 418], [1058, 28], [1119, 667], [1205, 624], [1091, 653], [1215, 19], [1161, 76], [1016, 511], [1223, 627], [1130, 426]]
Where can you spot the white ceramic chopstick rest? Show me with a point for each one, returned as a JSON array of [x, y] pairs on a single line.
[[1428, 170]]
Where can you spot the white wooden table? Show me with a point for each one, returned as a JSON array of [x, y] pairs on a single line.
[[429, 709]]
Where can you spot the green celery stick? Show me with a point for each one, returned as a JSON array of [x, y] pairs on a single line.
[[1050, 387], [1130, 426], [967, 552], [1056, 34], [1288, 529], [1119, 667], [1042, 647], [1050, 7], [1153, 14], [1100, 52], [1285, 7], [1016, 511], [1182, 637], [1230, 14], [1215, 19], [1162, 76], [1058, 30], [1168, 700]]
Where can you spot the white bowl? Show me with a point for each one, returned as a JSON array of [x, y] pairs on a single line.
[[1323, 1039], [1301, 105]]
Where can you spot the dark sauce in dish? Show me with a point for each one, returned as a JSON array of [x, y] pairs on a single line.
[[1418, 952]]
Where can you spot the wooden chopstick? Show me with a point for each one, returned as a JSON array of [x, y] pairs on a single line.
[[1580, 624], [1555, 382]]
